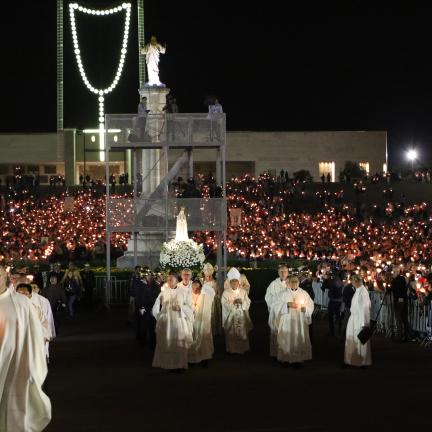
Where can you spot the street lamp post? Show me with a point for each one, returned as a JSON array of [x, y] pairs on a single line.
[[412, 156]]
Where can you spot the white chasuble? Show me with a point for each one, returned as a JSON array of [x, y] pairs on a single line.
[[173, 328], [202, 347], [235, 320], [357, 354], [292, 324], [24, 407]]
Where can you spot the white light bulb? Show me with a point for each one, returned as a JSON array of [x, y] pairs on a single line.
[[101, 99], [123, 50], [101, 119]]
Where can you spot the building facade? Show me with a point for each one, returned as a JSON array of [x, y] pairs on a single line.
[[74, 153]]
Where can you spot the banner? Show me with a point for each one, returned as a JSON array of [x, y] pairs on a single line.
[[235, 216]]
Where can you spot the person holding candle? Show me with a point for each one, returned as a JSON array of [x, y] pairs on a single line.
[[235, 315], [174, 326], [202, 301], [273, 290], [293, 314], [357, 354]]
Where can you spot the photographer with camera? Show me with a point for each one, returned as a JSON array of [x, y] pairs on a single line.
[[333, 284]]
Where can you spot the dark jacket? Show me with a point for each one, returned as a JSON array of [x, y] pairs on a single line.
[[146, 295], [334, 286], [398, 288], [347, 295]]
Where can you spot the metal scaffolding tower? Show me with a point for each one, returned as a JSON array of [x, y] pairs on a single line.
[[150, 214]]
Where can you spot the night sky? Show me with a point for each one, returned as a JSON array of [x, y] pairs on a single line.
[[272, 67]]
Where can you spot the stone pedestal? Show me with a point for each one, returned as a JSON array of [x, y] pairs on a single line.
[[149, 244], [150, 168], [148, 250], [156, 97]]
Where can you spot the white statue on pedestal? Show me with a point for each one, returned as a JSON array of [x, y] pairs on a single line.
[[181, 229], [152, 52]]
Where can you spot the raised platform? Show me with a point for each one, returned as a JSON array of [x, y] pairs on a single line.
[[160, 130]]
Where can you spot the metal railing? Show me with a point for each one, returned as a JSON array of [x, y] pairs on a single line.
[[419, 315]]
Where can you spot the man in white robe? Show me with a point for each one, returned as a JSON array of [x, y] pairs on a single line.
[[357, 354], [210, 283], [186, 280], [202, 348], [152, 52], [273, 290], [45, 307], [293, 309], [235, 315], [174, 326], [24, 407], [26, 290]]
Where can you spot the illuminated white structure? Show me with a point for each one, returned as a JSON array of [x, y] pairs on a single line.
[[152, 52], [101, 93]]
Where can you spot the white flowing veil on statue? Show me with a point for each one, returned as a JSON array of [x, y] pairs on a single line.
[[181, 229]]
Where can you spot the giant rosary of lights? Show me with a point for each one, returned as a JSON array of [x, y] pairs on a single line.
[[100, 92]]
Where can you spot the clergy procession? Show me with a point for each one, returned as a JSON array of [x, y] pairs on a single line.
[[177, 317], [182, 319]]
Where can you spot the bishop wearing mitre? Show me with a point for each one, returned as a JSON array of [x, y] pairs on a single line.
[[235, 315]]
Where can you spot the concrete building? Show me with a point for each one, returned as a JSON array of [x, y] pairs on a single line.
[[72, 153]]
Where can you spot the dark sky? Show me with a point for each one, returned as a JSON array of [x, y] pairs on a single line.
[[272, 67]]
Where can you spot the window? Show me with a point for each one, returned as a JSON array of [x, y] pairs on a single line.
[[50, 169], [33, 168], [326, 168], [365, 166]]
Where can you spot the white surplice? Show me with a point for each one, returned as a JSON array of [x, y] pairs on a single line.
[[24, 407], [49, 328], [357, 354], [217, 308], [273, 290], [236, 320], [173, 328], [187, 287], [293, 342], [202, 347]]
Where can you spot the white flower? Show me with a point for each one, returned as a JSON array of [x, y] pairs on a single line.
[[182, 254]]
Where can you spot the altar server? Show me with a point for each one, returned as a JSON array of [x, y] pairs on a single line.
[[209, 282]]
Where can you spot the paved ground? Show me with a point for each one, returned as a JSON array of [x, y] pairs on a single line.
[[101, 380]]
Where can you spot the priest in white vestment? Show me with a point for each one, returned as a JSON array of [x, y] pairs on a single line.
[[202, 348], [174, 326], [210, 282], [235, 315], [273, 290], [293, 309], [357, 354], [24, 407], [186, 280]]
